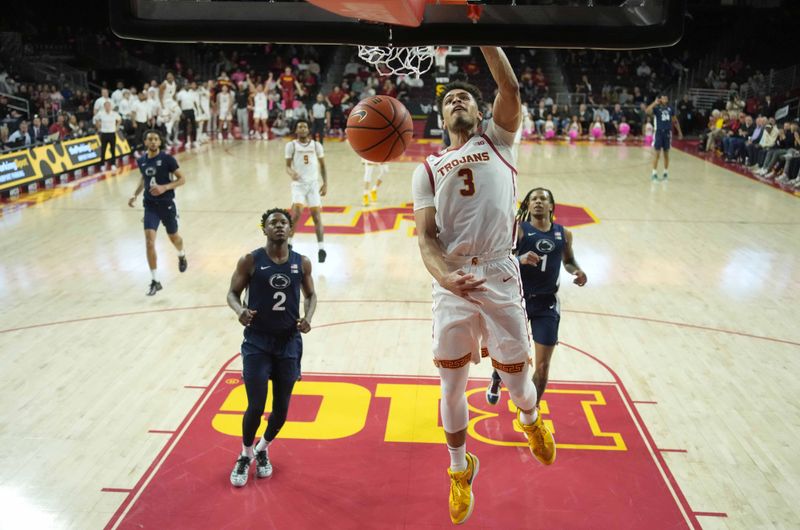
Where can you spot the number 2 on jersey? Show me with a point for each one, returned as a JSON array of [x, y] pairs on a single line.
[[466, 174], [281, 299]]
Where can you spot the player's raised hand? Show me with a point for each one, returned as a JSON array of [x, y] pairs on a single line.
[[246, 316], [157, 189], [463, 285], [580, 278], [529, 258], [303, 326]]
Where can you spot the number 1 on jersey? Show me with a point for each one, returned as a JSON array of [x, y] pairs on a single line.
[[542, 261]]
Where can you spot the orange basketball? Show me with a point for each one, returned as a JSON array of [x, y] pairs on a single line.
[[379, 128]]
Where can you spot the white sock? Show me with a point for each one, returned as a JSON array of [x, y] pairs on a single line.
[[374, 188], [321, 245], [248, 451], [181, 254], [458, 457], [153, 274], [528, 419], [655, 172], [262, 445]]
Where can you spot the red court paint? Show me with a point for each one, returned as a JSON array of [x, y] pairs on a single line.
[[368, 452], [343, 220]]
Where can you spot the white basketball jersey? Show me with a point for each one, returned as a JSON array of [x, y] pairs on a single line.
[[202, 96], [305, 158], [260, 101], [474, 192], [224, 102], [169, 89]]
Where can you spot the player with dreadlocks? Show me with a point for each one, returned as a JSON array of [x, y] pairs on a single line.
[[273, 276], [542, 246]]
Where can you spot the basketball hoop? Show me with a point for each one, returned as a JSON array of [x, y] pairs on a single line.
[[398, 61]]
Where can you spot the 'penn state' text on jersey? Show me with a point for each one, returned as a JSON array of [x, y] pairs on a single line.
[[473, 189], [274, 292], [663, 119], [157, 170], [549, 246]]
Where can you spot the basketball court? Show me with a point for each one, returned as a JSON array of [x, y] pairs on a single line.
[[674, 378], [671, 395]]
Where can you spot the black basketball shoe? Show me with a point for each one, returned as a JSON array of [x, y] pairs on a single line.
[[154, 288], [182, 263]]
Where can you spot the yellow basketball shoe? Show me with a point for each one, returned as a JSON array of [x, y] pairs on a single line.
[[374, 195], [461, 498], [540, 440], [365, 200]]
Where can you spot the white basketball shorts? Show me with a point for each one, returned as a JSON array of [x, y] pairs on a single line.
[[306, 193], [461, 327]]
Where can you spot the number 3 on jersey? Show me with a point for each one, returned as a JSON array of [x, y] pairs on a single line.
[[469, 183]]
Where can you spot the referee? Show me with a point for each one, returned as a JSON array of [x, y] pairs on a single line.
[[107, 122]]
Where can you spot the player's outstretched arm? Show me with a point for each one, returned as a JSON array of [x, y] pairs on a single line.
[[239, 280], [507, 104], [570, 264], [309, 298]]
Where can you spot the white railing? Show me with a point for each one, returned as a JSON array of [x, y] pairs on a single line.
[[704, 98], [17, 103]]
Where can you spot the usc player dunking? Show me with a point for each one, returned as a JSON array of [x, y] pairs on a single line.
[[464, 205]]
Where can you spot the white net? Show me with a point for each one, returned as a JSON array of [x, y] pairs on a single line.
[[398, 61]]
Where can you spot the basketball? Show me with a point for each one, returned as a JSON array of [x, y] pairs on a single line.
[[379, 128]]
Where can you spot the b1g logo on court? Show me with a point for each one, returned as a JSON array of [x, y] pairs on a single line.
[[279, 281]]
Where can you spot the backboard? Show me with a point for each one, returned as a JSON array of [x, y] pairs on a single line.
[[599, 24]]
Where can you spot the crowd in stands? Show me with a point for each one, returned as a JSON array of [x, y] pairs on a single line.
[[55, 113], [751, 137], [263, 91]]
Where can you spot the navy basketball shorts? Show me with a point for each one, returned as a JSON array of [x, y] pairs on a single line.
[[156, 212], [266, 356], [662, 141], [544, 314]]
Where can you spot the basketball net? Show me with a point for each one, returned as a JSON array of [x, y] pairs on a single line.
[[398, 61]]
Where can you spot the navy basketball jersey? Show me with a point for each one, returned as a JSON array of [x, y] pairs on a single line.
[[274, 292], [663, 118], [157, 170], [541, 278]]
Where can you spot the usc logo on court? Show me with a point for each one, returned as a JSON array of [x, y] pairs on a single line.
[[408, 412], [344, 220]]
